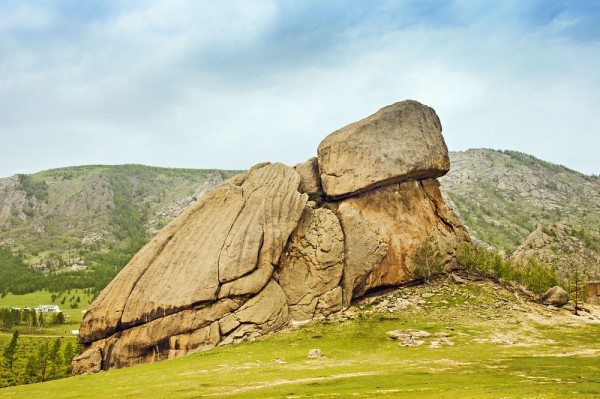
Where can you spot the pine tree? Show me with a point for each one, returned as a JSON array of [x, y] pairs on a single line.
[[68, 355], [42, 360], [56, 360], [59, 318], [34, 318], [10, 350]]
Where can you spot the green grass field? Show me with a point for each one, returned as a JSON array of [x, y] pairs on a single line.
[[497, 353]]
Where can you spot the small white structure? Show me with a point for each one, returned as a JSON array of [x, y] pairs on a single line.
[[47, 309]]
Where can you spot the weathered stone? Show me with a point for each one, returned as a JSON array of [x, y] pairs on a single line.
[[310, 180], [313, 264], [363, 252], [593, 292], [402, 218], [400, 142], [555, 296], [254, 254], [314, 354], [329, 303], [268, 310], [88, 362], [171, 336], [223, 246]]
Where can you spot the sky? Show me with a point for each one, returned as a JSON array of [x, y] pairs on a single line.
[[228, 84]]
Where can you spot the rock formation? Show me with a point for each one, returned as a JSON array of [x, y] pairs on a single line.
[[256, 254], [401, 142], [565, 247], [555, 296]]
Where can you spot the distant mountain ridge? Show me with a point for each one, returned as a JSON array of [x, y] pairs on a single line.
[[502, 196], [57, 217]]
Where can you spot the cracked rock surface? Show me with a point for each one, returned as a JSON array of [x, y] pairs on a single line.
[[255, 255]]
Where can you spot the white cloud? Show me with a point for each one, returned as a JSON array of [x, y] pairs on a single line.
[[214, 84]]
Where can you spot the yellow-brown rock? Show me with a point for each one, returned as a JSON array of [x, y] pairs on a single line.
[[228, 242], [310, 180], [254, 254], [313, 265], [400, 142], [386, 226]]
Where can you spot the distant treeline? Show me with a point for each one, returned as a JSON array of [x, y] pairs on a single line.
[[18, 278], [25, 360]]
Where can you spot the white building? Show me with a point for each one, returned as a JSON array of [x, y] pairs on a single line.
[[48, 309]]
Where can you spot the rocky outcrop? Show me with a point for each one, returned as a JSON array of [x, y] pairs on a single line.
[[386, 226], [400, 142], [310, 181], [565, 247], [555, 296], [255, 254], [224, 247]]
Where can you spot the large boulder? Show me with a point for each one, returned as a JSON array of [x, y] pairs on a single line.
[[555, 296], [400, 142], [255, 254]]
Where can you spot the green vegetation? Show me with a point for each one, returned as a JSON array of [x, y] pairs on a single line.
[[591, 241], [29, 359], [498, 354], [427, 262], [533, 274], [34, 188], [39, 347], [15, 276], [502, 196], [93, 210]]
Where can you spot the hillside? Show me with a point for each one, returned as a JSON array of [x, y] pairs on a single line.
[[502, 196], [58, 218], [566, 248], [471, 339]]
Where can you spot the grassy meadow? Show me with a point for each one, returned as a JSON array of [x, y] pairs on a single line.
[[500, 346], [72, 310]]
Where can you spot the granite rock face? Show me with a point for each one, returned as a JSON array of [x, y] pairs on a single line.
[[400, 142], [255, 255]]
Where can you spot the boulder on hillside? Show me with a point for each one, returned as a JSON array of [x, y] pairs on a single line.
[[400, 142], [254, 255], [555, 296], [88, 362]]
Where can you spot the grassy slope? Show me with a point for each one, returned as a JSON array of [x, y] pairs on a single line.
[[548, 356]]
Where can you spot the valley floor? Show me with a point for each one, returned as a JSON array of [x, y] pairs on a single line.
[[489, 342]]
